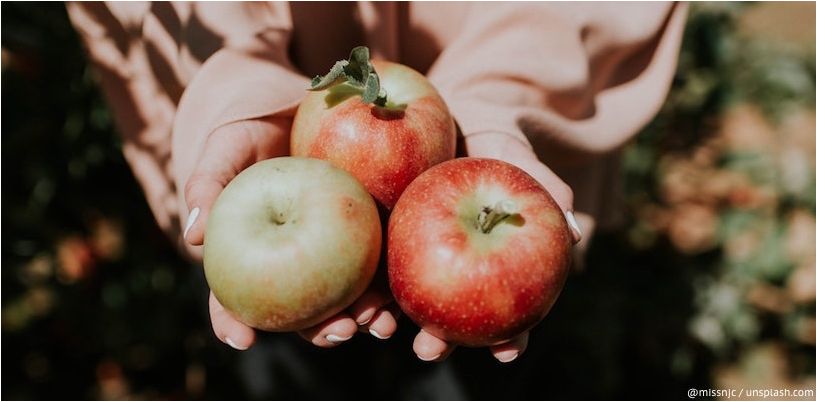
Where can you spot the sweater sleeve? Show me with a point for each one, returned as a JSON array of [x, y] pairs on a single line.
[[249, 77], [573, 80], [174, 72]]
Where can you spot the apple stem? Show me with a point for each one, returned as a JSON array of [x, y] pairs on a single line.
[[491, 216]]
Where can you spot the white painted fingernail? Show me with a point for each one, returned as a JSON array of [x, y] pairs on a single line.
[[571, 220], [376, 335], [509, 358], [191, 219], [232, 344], [430, 358], [336, 339]]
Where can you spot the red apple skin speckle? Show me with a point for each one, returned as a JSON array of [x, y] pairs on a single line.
[[469, 287]]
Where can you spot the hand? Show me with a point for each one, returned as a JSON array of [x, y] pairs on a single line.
[[227, 151], [509, 149]]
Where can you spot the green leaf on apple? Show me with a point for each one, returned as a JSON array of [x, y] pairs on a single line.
[[359, 69], [372, 90], [358, 73], [328, 80]]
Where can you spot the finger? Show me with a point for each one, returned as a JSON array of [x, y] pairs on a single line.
[[365, 307], [331, 332], [512, 150], [430, 348], [509, 351], [558, 189], [384, 323], [227, 151], [228, 329]]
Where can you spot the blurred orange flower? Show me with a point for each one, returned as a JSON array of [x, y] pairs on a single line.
[[692, 228], [745, 128], [107, 238], [75, 259]]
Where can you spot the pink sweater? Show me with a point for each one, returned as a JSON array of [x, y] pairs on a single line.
[[574, 80]]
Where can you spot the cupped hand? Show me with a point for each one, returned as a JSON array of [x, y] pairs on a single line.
[[227, 151], [512, 150]]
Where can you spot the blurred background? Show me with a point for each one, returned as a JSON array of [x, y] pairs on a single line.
[[710, 283]]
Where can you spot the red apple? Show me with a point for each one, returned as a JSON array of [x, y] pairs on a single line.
[[478, 251], [384, 146]]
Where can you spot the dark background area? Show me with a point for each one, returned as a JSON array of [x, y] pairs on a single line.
[[709, 283]]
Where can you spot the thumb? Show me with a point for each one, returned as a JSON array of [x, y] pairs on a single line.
[[227, 151], [512, 150]]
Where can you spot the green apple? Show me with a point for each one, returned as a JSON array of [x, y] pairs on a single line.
[[291, 242]]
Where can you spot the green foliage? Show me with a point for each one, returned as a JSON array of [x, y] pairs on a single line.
[[744, 297], [92, 290]]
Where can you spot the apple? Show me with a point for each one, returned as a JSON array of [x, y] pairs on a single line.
[[291, 242], [383, 122], [477, 250]]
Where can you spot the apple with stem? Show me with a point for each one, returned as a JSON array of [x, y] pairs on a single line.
[[291, 242], [478, 251], [383, 122]]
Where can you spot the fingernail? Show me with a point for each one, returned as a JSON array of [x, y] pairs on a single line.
[[191, 219], [437, 356], [574, 226], [376, 335], [366, 317], [507, 359], [233, 345], [336, 339]]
